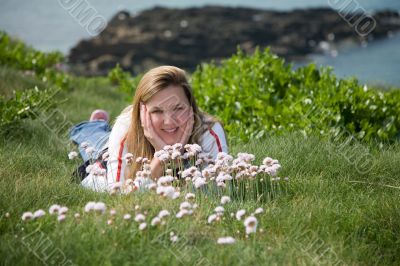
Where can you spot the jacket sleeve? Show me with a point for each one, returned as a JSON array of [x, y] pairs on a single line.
[[115, 163], [117, 150], [214, 140]]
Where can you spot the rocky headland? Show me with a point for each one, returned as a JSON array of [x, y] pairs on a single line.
[[187, 37]]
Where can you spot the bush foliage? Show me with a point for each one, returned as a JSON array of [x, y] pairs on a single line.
[[44, 67], [125, 82], [259, 95]]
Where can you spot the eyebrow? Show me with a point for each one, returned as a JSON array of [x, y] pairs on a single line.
[[156, 108]]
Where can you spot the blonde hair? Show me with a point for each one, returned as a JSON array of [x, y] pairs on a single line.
[[152, 82]]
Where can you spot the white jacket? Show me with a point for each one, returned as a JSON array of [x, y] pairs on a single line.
[[212, 142]]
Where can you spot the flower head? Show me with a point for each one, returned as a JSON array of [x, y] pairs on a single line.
[[72, 155], [128, 158], [54, 209], [185, 206], [39, 213], [142, 226], [259, 211], [225, 199], [190, 196], [140, 217], [63, 210], [226, 240], [100, 207], [219, 210], [212, 218], [155, 221], [251, 224], [239, 214], [90, 206], [163, 213], [26, 216], [199, 182], [61, 218]]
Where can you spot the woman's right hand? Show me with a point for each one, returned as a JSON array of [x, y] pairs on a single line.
[[148, 129]]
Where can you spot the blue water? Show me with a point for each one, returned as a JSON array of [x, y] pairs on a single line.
[[47, 26]]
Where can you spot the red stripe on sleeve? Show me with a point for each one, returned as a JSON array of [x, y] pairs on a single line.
[[121, 150], [216, 139]]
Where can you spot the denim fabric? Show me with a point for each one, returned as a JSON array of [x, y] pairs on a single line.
[[96, 133]]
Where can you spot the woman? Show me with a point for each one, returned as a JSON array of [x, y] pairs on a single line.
[[163, 112]]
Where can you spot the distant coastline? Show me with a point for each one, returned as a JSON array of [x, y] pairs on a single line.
[[186, 37]]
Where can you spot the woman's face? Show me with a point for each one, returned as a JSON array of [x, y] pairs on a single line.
[[169, 111]]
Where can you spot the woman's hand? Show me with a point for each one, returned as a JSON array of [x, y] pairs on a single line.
[[148, 129], [187, 131]]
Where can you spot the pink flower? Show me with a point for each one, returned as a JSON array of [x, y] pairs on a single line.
[[54, 209], [128, 158], [26, 216], [39, 213], [142, 226], [239, 214], [155, 221], [140, 218], [100, 207], [72, 155], [90, 206], [163, 213], [251, 224], [212, 218], [190, 196], [225, 199], [226, 240], [61, 218], [259, 211], [63, 210]]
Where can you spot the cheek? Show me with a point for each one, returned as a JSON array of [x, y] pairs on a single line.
[[156, 121], [182, 116]]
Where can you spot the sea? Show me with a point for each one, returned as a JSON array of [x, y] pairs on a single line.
[[48, 25]]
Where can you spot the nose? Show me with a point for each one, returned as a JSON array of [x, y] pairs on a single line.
[[170, 119]]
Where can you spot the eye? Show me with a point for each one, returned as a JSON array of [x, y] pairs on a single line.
[[156, 112], [178, 108]]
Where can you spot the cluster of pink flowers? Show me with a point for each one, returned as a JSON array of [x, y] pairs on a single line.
[[55, 209], [186, 208], [203, 171]]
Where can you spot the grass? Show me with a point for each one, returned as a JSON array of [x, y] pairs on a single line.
[[331, 213], [11, 80]]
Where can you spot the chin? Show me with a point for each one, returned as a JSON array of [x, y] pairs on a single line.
[[170, 140]]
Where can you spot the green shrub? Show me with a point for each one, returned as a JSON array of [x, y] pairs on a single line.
[[16, 54], [259, 95], [23, 105], [125, 82], [43, 67]]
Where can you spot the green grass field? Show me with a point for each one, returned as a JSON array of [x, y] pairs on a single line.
[[334, 211]]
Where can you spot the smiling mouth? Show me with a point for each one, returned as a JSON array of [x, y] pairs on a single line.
[[171, 131]]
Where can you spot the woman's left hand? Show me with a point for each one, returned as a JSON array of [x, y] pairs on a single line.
[[187, 131]]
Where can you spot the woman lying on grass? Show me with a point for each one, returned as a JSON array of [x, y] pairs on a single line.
[[163, 112]]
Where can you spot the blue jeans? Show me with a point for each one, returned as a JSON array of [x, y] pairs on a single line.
[[95, 133]]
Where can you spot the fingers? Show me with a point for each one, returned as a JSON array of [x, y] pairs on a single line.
[[188, 128], [142, 114], [144, 120], [149, 123]]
